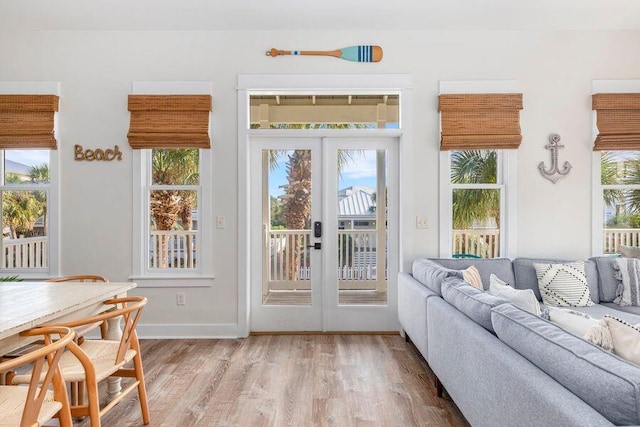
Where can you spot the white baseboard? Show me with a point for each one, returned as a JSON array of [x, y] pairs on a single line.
[[188, 330]]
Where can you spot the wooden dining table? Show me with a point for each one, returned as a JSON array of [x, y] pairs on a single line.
[[25, 305]]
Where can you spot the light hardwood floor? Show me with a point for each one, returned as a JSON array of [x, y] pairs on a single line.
[[287, 380]]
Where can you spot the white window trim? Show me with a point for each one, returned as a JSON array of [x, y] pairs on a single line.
[[53, 197], [507, 177], [318, 83], [597, 190], [203, 275]]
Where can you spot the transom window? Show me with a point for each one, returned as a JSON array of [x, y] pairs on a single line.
[[323, 111]]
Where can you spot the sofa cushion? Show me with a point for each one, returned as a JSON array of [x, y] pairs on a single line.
[[563, 285], [606, 382], [616, 310], [607, 280], [431, 274], [526, 278], [471, 301], [501, 267]]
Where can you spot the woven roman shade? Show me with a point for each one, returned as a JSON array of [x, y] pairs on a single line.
[[26, 121], [618, 121], [480, 121], [169, 121]]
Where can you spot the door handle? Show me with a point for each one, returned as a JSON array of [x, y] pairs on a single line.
[[316, 245]]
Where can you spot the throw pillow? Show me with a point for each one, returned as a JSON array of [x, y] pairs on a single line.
[[523, 298], [629, 273], [563, 285], [471, 275], [630, 251], [626, 338], [582, 325]]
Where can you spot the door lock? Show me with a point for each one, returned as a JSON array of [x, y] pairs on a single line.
[[316, 245]]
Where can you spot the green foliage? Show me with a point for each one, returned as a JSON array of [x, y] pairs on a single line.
[[471, 205], [624, 221], [277, 213], [14, 278]]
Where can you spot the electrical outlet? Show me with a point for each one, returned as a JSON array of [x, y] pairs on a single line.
[[180, 298], [220, 222], [422, 222]]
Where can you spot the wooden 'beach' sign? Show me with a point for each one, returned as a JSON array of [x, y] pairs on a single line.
[[351, 53]]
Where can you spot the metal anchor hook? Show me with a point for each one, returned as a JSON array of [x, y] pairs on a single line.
[[554, 174]]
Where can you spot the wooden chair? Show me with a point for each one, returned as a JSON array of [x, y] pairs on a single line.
[[36, 404], [93, 361], [76, 390]]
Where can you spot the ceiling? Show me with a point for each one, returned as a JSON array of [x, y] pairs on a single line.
[[319, 15]]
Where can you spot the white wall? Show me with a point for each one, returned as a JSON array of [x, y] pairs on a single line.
[[95, 69]]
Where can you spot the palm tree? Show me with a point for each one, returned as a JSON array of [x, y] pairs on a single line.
[[474, 167], [609, 176], [297, 197], [173, 167], [40, 175], [20, 210]]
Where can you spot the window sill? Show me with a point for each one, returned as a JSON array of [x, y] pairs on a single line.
[[173, 281]]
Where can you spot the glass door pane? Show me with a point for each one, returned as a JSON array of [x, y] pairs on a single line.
[[362, 227], [286, 218]]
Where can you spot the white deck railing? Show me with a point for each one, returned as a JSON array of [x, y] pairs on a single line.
[[614, 238], [289, 263], [178, 249], [484, 243], [28, 252]]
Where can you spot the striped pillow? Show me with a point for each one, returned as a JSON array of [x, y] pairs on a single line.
[[629, 292], [563, 285], [471, 275]]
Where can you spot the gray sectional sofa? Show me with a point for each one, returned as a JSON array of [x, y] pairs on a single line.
[[504, 366]]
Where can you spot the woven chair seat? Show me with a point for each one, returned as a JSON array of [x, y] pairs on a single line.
[[101, 352], [12, 400]]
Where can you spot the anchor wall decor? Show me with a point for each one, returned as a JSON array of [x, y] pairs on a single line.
[[554, 174]]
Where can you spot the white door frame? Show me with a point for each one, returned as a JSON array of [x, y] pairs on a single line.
[[330, 83]]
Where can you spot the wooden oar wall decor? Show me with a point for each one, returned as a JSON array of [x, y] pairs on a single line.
[[364, 53]]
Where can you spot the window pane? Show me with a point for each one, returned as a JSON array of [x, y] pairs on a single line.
[[474, 167], [24, 229], [174, 225], [620, 167], [175, 166], [621, 219], [324, 111], [476, 222], [26, 166]]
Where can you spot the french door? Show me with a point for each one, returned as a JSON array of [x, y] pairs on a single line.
[[324, 246]]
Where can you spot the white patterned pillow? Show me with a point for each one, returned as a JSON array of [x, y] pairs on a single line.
[[629, 292], [563, 285]]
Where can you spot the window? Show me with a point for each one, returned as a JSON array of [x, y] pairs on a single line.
[[172, 215], [25, 220], [616, 162], [324, 111], [476, 187], [620, 183], [480, 132], [28, 179]]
